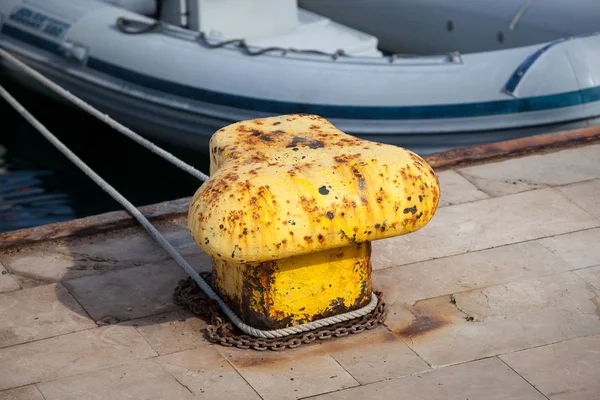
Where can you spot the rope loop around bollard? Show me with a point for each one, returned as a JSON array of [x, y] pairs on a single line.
[[187, 294]]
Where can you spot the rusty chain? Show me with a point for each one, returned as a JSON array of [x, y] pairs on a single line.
[[188, 294]]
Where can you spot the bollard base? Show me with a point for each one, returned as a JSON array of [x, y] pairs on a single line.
[[219, 331], [296, 290]]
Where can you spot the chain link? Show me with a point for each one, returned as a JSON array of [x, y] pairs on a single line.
[[220, 331]]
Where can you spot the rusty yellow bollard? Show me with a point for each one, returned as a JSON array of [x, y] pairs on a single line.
[[290, 210]]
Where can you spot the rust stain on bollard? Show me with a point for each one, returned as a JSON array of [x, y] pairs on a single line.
[[290, 209], [277, 294]]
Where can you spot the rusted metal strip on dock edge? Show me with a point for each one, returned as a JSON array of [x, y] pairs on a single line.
[[512, 148], [179, 208], [94, 224]]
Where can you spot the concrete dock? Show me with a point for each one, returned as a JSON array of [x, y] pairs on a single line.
[[497, 298]]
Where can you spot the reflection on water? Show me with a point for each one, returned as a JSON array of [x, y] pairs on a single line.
[[24, 202], [39, 186]]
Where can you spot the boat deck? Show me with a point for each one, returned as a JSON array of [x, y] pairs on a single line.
[[497, 298]]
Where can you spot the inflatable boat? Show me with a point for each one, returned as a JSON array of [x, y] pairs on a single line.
[[425, 75]]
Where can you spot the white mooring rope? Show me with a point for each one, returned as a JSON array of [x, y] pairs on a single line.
[[156, 235], [104, 118]]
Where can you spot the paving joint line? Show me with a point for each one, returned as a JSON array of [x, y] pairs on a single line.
[[522, 377], [49, 337], [232, 365], [547, 344], [410, 348], [78, 302], [341, 366], [561, 194], [490, 196], [149, 345], [35, 385], [451, 295], [433, 369], [492, 247], [152, 359]]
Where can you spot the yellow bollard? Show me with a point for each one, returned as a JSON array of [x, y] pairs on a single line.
[[290, 210]]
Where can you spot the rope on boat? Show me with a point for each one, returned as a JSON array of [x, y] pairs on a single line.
[[147, 225], [133, 27], [519, 14], [103, 117], [241, 43]]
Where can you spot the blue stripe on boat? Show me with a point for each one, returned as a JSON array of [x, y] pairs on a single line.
[[30, 38], [464, 110]]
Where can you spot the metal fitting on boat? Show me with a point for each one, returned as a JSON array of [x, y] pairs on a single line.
[[74, 51], [290, 210]]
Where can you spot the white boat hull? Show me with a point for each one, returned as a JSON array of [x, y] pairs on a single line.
[[170, 87]]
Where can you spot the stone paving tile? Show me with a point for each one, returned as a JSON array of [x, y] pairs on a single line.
[[499, 319], [171, 332], [27, 283], [49, 266], [488, 379], [579, 249], [200, 262], [454, 189], [207, 375], [433, 278], [61, 356], [536, 171], [38, 313], [127, 245], [22, 393], [567, 370], [373, 356], [484, 224], [7, 281], [185, 245], [592, 276], [83, 257], [585, 194], [139, 380], [302, 372], [35, 268], [128, 293]]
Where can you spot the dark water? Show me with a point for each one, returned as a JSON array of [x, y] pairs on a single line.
[[39, 186]]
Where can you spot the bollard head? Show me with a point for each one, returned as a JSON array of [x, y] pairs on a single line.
[[289, 212], [294, 184]]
